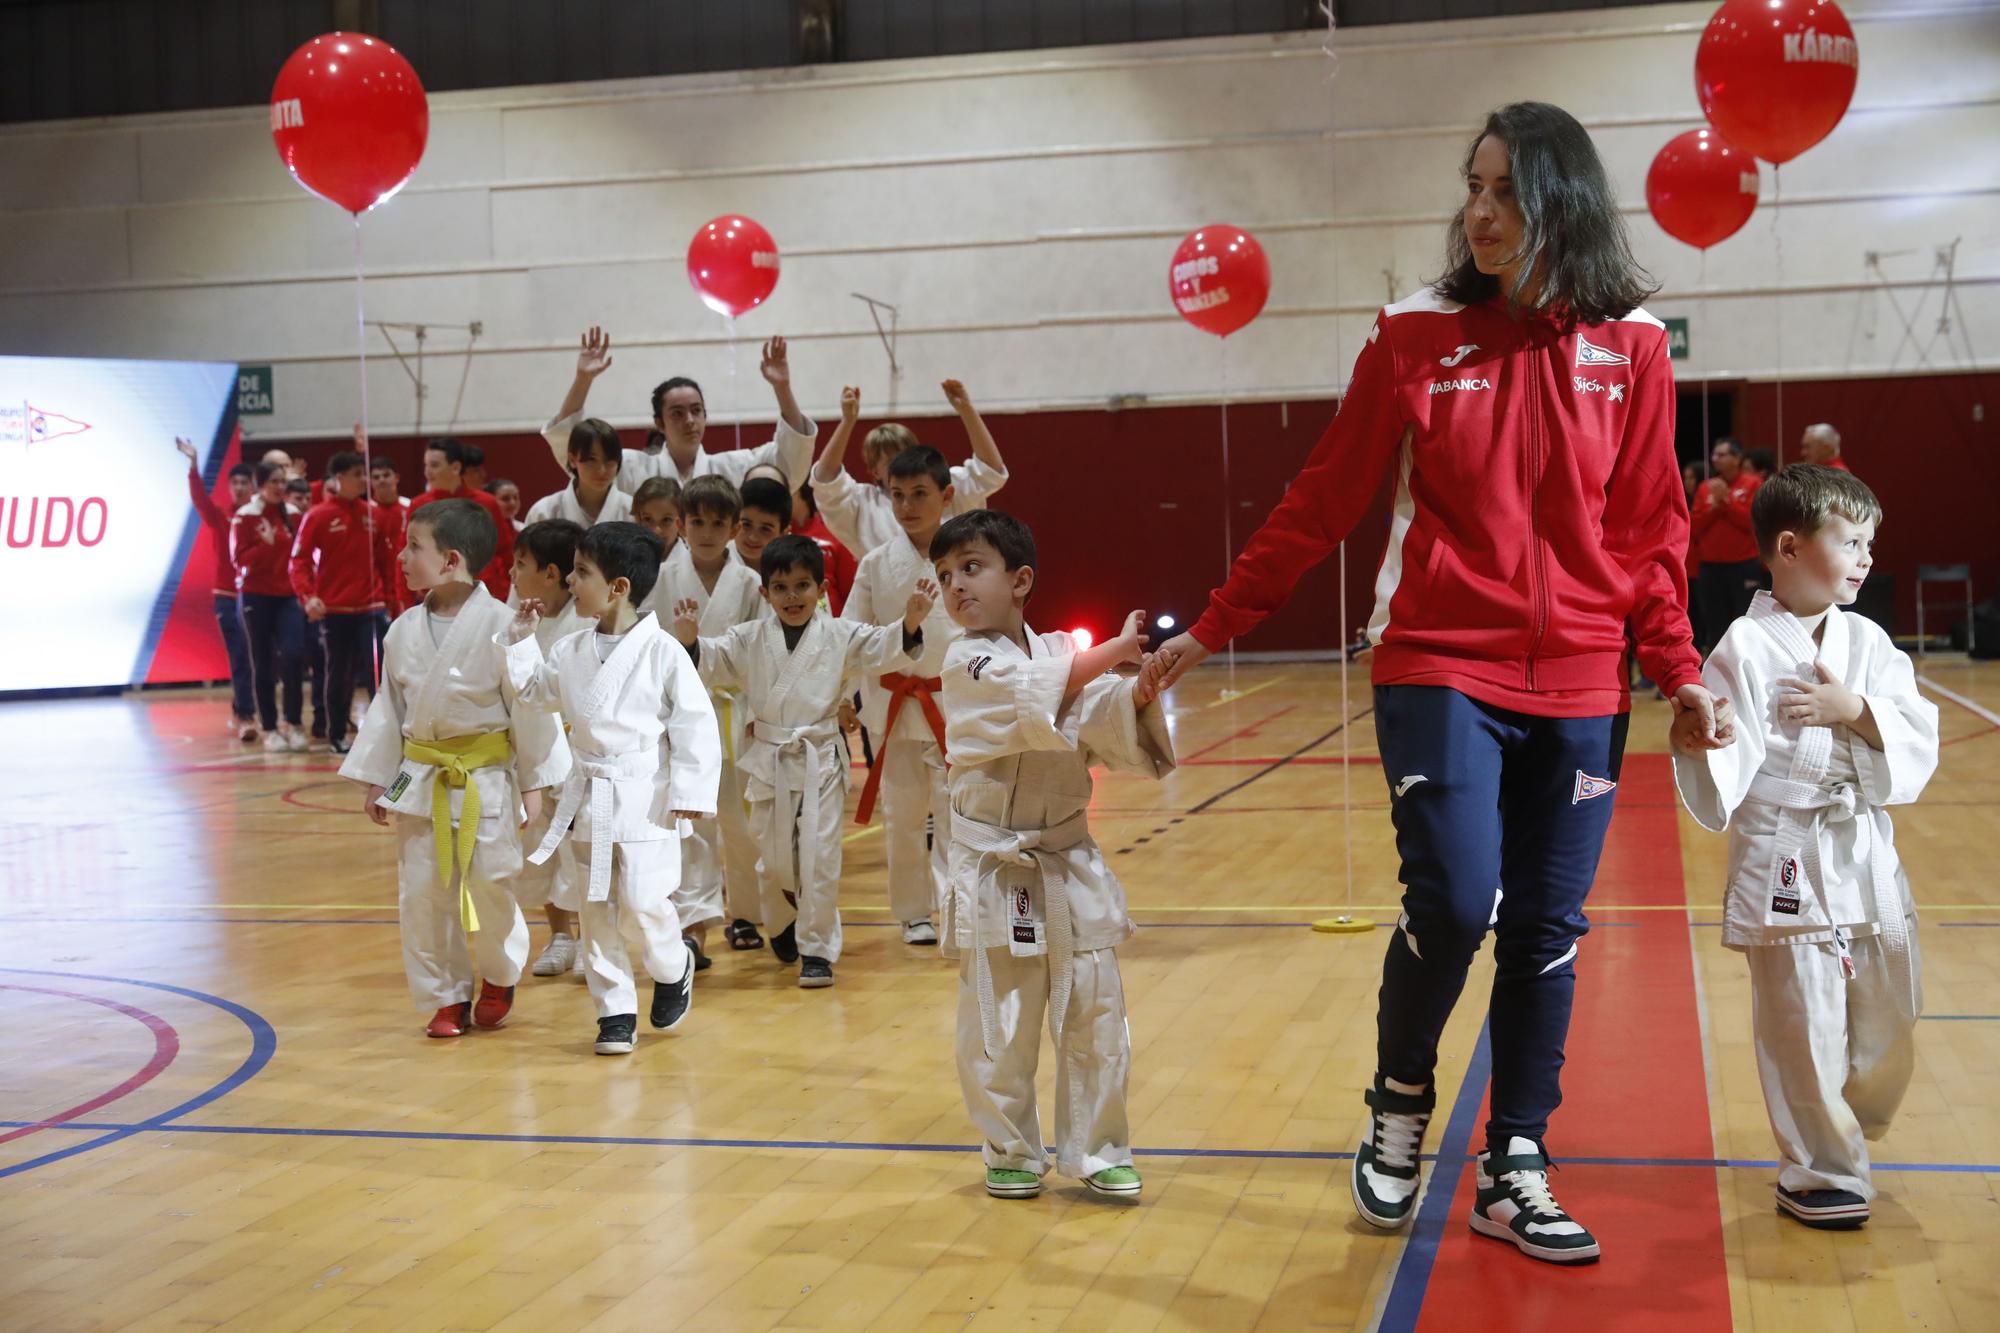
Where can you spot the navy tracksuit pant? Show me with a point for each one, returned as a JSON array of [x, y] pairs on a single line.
[[1500, 818]]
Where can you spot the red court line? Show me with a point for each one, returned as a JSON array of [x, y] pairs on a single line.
[[1634, 1085], [1265, 761], [166, 1045]]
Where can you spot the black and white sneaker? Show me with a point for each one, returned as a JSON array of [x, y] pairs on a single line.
[[673, 999], [815, 973], [618, 1034], [1514, 1204], [1385, 1175], [785, 944], [1824, 1210]]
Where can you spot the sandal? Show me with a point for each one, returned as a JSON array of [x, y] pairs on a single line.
[[742, 935]]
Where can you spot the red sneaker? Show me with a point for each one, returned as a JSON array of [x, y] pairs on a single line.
[[449, 1021], [493, 1005]]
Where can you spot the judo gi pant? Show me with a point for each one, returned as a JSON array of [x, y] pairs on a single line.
[[916, 821], [275, 628], [1091, 1076], [719, 872], [554, 880], [242, 693], [638, 921], [437, 957], [1500, 818], [1834, 1055], [783, 838]]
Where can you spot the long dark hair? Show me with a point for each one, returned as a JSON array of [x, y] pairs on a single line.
[[1574, 239]]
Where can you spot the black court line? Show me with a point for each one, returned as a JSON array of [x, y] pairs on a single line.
[[1312, 744]]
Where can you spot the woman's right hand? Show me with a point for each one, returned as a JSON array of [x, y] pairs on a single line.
[[1178, 656]]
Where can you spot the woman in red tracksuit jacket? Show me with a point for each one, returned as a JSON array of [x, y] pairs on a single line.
[[261, 546], [1524, 405]]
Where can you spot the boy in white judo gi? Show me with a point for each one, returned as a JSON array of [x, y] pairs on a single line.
[[624, 686], [544, 554], [446, 750], [859, 514], [791, 667], [1033, 910], [592, 495], [1829, 729], [900, 708]]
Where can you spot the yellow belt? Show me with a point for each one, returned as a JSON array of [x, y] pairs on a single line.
[[455, 757]]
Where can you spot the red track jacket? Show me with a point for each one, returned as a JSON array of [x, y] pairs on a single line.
[[332, 558]]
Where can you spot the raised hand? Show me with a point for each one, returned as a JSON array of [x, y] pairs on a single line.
[[777, 371], [525, 620], [922, 599], [955, 395], [187, 451], [687, 620], [850, 405], [595, 358], [1132, 637]]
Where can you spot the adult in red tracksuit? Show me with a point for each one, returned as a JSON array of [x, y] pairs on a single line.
[[261, 550], [341, 564], [1725, 547], [228, 616], [1524, 406], [444, 472]]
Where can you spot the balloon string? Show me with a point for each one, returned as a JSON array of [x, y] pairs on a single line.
[[1346, 725], [735, 391], [367, 451], [1701, 315], [1778, 248], [1228, 506]]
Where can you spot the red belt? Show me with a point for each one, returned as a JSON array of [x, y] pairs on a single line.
[[900, 687]]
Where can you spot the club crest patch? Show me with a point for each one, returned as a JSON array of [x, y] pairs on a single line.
[[1589, 788]]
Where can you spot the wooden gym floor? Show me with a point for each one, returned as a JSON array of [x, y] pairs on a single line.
[[217, 1108]]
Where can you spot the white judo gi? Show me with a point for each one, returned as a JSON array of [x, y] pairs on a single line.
[[719, 877], [900, 710], [790, 451], [860, 517], [554, 880], [796, 765], [564, 504], [442, 683], [1817, 899], [644, 742], [1033, 910]]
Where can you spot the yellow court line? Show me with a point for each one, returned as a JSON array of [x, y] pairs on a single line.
[[1242, 694], [860, 833]]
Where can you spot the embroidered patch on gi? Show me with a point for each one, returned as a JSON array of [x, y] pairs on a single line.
[[398, 787], [977, 665], [1785, 900], [1589, 788], [1023, 917]]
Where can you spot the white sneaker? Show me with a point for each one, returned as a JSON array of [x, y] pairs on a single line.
[[275, 741], [1514, 1204], [557, 957], [296, 739], [919, 932]]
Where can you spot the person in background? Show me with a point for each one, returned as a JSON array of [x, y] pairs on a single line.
[[1720, 528], [228, 616], [509, 496], [1821, 444], [261, 549]]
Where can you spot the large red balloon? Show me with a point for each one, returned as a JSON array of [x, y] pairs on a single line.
[[1219, 279], [1775, 76], [1701, 190], [733, 264], [350, 119]]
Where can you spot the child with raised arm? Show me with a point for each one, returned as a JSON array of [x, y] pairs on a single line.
[[592, 496], [1033, 910], [1829, 730], [228, 615], [790, 667], [859, 514], [623, 685], [544, 556], [447, 753]]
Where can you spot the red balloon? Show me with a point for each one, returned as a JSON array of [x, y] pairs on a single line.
[[350, 119], [733, 264], [1775, 76], [1219, 279], [1701, 190]]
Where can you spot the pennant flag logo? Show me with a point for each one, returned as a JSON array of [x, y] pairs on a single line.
[[1589, 788], [44, 425]]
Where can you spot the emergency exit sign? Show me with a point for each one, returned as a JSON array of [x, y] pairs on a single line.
[[1677, 339], [255, 394]]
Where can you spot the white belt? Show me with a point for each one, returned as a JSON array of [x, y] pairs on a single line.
[[1042, 850], [593, 775], [806, 742]]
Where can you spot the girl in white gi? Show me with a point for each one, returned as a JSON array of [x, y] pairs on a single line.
[[859, 514], [1033, 911], [900, 708], [627, 691], [719, 881], [445, 749], [791, 667], [544, 554], [1829, 730], [592, 495]]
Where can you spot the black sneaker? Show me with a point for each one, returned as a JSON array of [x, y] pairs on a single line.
[[341, 746], [1386, 1164], [673, 999], [785, 944], [1514, 1204], [618, 1034], [1824, 1210], [702, 962], [815, 973]]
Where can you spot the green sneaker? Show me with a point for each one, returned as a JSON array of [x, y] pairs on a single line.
[[1120, 1182], [1012, 1184]]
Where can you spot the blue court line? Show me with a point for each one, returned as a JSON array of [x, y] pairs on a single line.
[[1413, 1270], [1961, 1018], [263, 1045], [1968, 925]]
